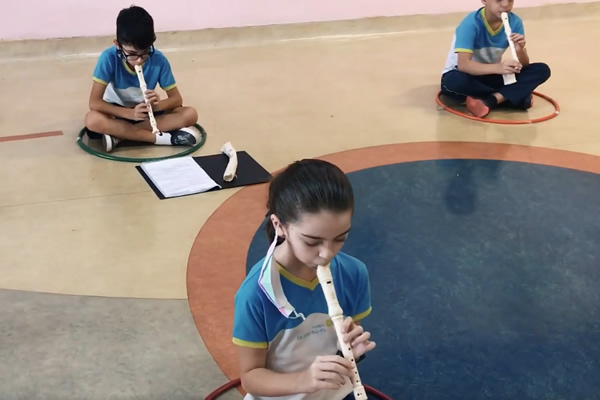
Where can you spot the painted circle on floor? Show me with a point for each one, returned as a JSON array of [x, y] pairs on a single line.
[[483, 278]]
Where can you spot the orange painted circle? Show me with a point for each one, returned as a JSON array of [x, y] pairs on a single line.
[[439, 102], [217, 261]]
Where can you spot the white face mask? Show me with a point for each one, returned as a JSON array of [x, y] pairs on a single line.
[[270, 283]]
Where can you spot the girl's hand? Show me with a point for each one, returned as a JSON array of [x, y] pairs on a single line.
[[326, 373], [357, 337]]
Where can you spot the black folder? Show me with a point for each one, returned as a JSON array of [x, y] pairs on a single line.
[[249, 172]]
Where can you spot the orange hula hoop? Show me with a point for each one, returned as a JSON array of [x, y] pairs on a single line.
[[502, 121]]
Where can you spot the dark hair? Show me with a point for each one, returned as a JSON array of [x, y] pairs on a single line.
[[135, 27], [307, 186]]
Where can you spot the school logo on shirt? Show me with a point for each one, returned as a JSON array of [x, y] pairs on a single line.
[[315, 330]]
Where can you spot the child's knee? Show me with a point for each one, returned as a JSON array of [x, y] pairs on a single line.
[[542, 70], [456, 81], [545, 71], [189, 115], [95, 121]]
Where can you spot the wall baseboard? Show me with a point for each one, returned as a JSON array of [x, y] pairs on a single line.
[[256, 35]]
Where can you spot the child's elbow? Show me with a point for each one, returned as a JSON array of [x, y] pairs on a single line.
[[178, 101], [93, 105], [246, 383], [463, 62]]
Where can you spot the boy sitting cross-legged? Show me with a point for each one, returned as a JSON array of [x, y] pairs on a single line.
[[117, 107], [474, 68]]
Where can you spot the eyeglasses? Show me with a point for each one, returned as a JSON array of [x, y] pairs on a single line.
[[134, 57]]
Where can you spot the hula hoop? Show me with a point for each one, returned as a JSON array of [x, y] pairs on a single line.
[[221, 390], [503, 121], [112, 157]]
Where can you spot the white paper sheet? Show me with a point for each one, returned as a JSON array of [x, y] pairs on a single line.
[[178, 176]]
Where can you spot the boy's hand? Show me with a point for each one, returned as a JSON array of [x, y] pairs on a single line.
[[152, 97], [518, 40], [140, 112], [510, 66], [357, 337]]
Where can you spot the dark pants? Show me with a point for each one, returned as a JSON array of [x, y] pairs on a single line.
[[459, 85]]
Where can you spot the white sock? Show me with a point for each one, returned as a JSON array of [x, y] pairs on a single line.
[[163, 139]]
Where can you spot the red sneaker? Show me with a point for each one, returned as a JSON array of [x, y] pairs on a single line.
[[477, 107]]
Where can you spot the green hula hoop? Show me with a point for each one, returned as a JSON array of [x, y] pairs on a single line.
[[112, 157]]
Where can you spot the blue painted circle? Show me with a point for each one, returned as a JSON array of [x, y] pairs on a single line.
[[485, 279]]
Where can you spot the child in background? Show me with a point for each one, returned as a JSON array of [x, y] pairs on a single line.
[[286, 340], [117, 107], [474, 68]]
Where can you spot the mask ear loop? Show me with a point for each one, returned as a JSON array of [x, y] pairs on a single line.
[[268, 259], [298, 315]]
